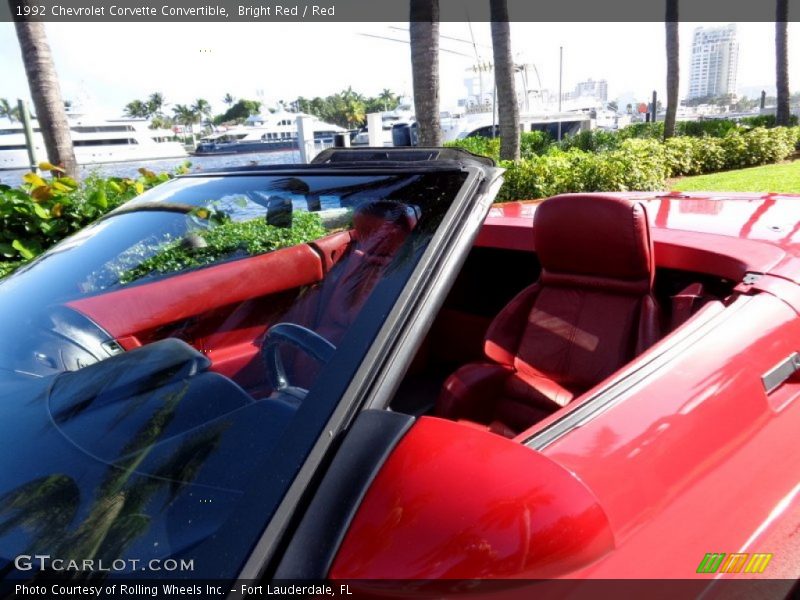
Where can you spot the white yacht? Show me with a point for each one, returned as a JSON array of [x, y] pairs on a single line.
[[264, 133], [456, 126], [476, 115], [95, 140]]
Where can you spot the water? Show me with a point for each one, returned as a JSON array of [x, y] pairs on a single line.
[[198, 164]]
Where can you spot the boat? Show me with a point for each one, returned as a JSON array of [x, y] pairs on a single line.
[[456, 126], [475, 114], [96, 141], [403, 115], [266, 133]]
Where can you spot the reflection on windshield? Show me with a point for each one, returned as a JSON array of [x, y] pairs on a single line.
[[48, 508], [170, 354], [196, 246]]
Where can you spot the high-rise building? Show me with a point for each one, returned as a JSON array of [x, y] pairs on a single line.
[[593, 89], [715, 57]]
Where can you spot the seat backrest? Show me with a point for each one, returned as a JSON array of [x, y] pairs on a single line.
[[592, 309], [379, 229]]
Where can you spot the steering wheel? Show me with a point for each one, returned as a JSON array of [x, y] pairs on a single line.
[[302, 338]]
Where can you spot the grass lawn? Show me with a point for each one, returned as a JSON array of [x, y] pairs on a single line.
[[784, 177]]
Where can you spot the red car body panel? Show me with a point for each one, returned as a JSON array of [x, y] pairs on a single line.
[[471, 504], [697, 457]]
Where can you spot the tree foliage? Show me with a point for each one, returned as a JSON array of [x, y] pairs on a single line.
[[347, 108], [9, 111], [42, 211], [238, 112]]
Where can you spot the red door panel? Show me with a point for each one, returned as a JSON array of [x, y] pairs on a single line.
[[697, 459], [142, 311]]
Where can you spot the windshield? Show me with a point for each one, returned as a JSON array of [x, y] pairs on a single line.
[[165, 372]]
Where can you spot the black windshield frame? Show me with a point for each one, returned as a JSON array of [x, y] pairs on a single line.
[[390, 352]]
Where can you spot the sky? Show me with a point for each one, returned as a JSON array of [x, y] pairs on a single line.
[[106, 65]]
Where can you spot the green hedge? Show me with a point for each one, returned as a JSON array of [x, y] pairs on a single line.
[[637, 164], [537, 143], [765, 121], [638, 160], [40, 212]]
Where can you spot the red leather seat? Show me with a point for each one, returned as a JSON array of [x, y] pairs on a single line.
[[379, 229], [591, 311]]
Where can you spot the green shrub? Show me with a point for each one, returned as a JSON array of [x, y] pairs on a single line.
[[40, 212], [479, 145], [712, 127], [635, 165], [534, 143], [541, 176], [643, 130], [759, 146], [764, 121], [709, 155], [635, 158], [645, 164], [681, 156], [591, 141]]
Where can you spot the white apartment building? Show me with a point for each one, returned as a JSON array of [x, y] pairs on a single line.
[[715, 56]]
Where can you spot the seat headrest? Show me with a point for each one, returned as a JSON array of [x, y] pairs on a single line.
[[584, 237], [370, 217]]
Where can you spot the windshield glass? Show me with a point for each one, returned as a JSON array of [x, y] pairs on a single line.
[[165, 372]]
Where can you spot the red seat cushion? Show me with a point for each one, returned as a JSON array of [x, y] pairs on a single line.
[[591, 311]]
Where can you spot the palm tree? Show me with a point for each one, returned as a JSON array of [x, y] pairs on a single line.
[[156, 104], [507, 105], [46, 95], [202, 108], [228, 100], [782, 115], [673, 69], [424, 38], [354, 112], [137, 109], [161, 123], [7, 111], [388, 97], [186, 115]]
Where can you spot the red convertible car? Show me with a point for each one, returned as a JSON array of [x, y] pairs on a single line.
[[361, 369]]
